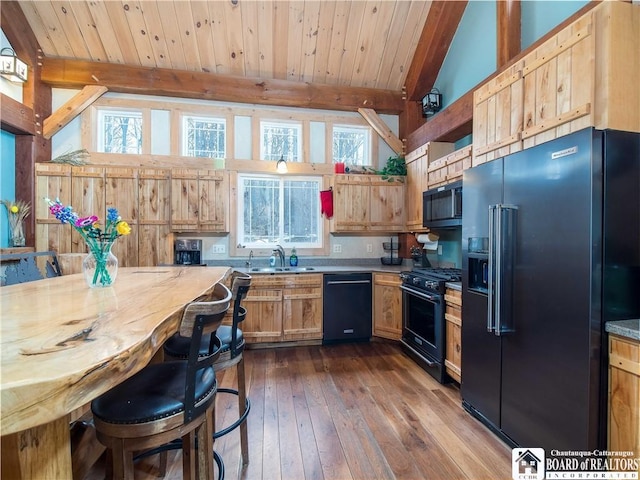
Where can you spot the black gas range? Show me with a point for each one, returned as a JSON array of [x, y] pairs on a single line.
[[423, 322], [431, 279]]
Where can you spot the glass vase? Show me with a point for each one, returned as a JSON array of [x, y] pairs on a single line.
[[100, 266], [17, 234]]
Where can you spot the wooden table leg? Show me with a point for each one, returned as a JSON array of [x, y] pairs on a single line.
[[41, 452]]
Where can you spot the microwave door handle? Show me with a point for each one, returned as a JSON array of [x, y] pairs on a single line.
[[491, 266]]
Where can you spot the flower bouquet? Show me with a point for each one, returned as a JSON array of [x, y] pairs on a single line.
[[17, 212], [100, 266]]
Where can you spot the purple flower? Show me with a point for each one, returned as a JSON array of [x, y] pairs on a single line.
[[86, 221]]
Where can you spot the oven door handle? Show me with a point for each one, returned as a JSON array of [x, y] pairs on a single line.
[[418, 293]]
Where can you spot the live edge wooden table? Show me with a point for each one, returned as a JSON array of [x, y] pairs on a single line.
[[63, 344]]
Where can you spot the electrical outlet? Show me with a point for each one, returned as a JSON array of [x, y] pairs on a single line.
[[439, 249], [219, 249], [369, 248], [337, 248]]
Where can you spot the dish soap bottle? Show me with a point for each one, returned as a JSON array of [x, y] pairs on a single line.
[[293, 259], [272, 259]]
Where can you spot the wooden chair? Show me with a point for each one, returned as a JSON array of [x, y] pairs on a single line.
[[27, 267], [232, 347], [170, 400]]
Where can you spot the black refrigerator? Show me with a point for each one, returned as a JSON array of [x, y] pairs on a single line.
[[551, 251]]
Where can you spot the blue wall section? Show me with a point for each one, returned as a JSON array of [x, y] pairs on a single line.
[[7, 181], [472, 55], [542, 16]]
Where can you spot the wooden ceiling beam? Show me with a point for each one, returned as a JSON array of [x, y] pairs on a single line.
[[66, 73], [509, 31], [15, 117], [71, 109], [382, 129], [440, 27]]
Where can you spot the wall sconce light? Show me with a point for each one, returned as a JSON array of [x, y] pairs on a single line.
[[11, 67], [281, 166], [431, 102]]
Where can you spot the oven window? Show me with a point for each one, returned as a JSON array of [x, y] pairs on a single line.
[[420, 318]]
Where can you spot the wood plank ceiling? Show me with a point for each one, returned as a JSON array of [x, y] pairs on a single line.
[[367, 44]]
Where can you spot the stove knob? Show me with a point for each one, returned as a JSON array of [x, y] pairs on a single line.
[[416, 281]]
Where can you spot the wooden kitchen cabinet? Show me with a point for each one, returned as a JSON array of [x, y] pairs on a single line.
[[368, 203], [624, 394], [139, 194], [283, 308], [302, 307], [453, 329], [52, 181], [199, 200], [387, 306], [586, 75], [418, 181]]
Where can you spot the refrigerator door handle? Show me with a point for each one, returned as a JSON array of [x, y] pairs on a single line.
[[490, 303], [498, 255], [505, 258]]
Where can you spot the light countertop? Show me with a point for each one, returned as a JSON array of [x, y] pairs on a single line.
[[625, 328]]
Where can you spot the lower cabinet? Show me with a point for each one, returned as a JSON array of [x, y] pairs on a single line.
[[283, 308], [624, 394], [387, 306], [453, 327]]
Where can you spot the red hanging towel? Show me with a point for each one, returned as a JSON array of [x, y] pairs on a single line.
[[326, 202]]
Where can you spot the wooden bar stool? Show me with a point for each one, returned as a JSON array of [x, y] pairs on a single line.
[[232, 347], [170, 400]]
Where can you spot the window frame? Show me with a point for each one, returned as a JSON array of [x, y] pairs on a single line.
[[272, 122], [184, 133], [318, 245], [101, 112], [368, 153]]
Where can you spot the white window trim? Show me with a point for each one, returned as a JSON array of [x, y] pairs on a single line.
[[183, 132], [319, 244]]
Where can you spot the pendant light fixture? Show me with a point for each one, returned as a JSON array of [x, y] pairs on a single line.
[[11, 67], [281, 166]]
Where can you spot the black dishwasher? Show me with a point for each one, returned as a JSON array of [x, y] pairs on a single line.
[[347, 307]]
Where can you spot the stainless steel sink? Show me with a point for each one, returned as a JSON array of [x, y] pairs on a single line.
[[281, 269]]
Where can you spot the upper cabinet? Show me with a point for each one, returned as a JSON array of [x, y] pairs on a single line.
[[418, 163], [368, 203], [139, 194], [199, 200], [586, 75]]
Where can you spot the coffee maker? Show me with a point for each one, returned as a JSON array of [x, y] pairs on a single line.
[[187, 251]]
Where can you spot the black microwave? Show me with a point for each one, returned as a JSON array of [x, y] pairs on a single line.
[[442, 206]]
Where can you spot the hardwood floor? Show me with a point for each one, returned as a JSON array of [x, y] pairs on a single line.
[[346, 412]]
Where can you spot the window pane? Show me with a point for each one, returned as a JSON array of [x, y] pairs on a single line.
[[121, 132], [351, 145], [281, 140], [301, 207], [279, 211], [204, 137], [261, 210]]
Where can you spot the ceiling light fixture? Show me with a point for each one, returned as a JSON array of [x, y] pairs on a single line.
[[431, 102], [11, 67], [281, 166]]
